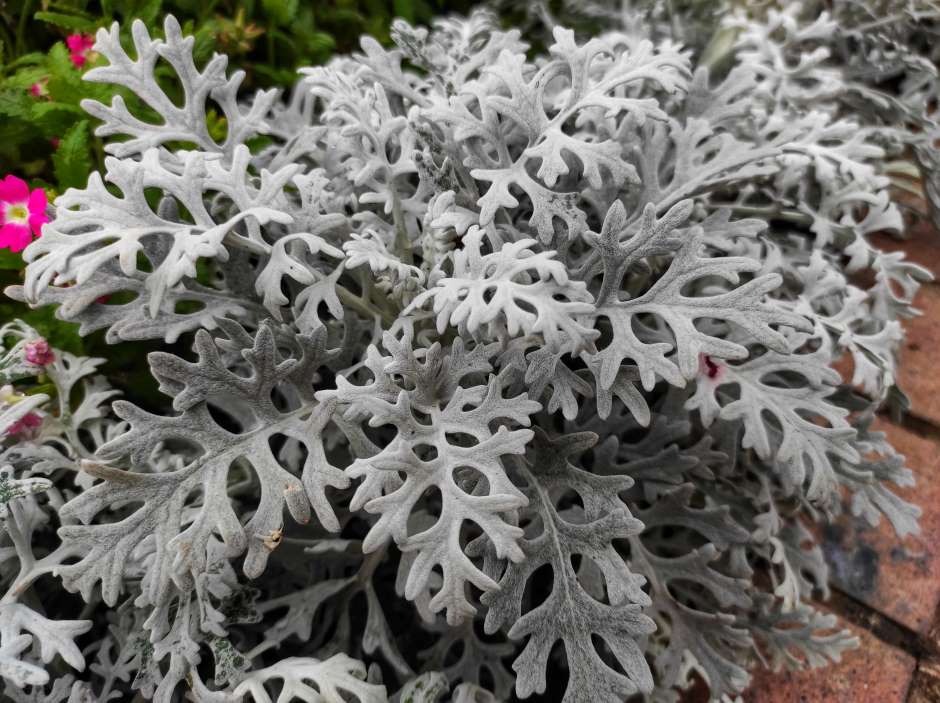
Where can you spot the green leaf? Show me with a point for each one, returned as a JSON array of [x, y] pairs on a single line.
[[60, 19], [205, 44], [280, 12], [13, 132], [15, 123], [15, 103], [25, 76], [275, 75], [146, 10], [10, 261], [30, 59], [60, 334], [53, 119], [65, 81], [405, 9], [320, 44], [71, 160]]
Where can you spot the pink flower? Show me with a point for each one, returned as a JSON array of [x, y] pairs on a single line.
[[25, 425], [38, 89], [708, 367], [39, 352], [80, 48], [22, 213]]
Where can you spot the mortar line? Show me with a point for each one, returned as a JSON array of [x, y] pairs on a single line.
[[921, 680], [918, 424], [881, 626]]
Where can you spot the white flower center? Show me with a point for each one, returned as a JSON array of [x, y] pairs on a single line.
[[17, 213]]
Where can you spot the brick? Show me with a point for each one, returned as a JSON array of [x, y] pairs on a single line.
[[925, 687], [919, 373], [900, 579], [874, 673], [846, 367], [697, 692], [922, 246]]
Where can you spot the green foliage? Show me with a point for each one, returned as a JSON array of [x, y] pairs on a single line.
[[46, 138], [42, 137], [71, 160]]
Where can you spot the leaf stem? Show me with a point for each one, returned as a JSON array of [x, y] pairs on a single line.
[[25, 14], [402, 240], [363, 306]]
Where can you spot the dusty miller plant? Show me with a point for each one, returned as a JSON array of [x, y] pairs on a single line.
[[875, 60], [508, 375]]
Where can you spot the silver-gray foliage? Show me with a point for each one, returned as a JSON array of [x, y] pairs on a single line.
[[490, 354]]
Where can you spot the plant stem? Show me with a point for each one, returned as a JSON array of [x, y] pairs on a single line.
[[25, 12], [779, 213], [402, 241], [363, 307], [916, 16]]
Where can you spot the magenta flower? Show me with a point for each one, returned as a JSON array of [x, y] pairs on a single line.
[[708, 367], [80, 48], [38, 89], [39, 353], [22, 213], [25, 425]]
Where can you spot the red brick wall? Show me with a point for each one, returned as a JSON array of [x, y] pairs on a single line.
[[886, 590]]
